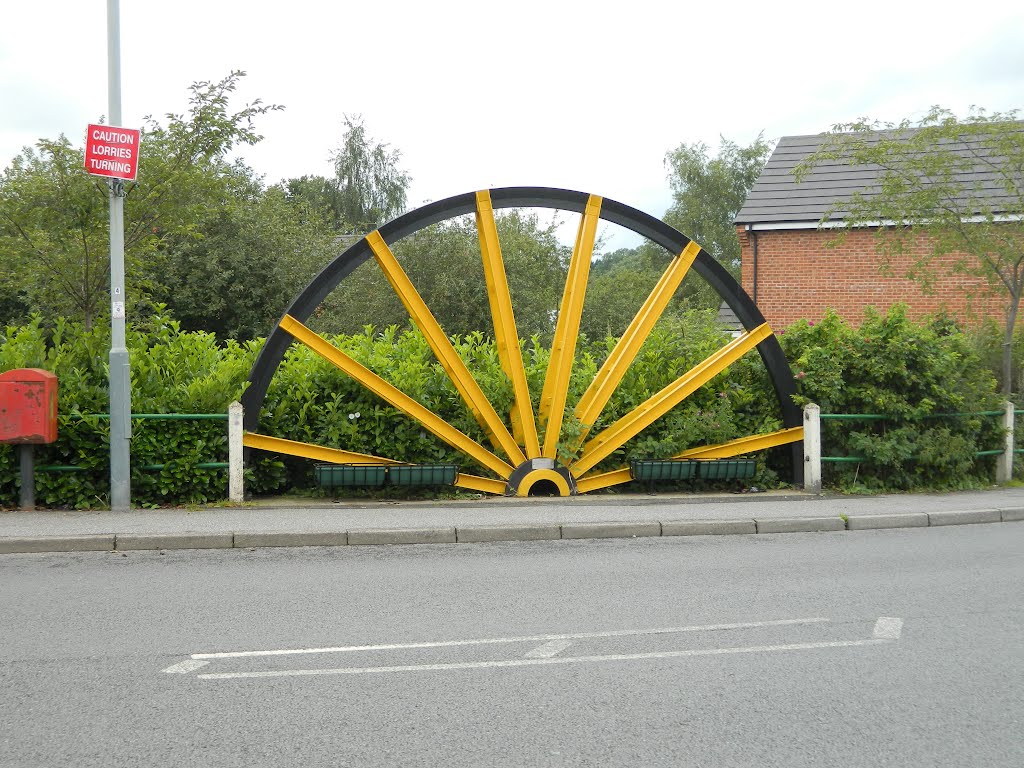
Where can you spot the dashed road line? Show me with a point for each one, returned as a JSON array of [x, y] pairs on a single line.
[[184, 667], [887, 628], [536, 662], [497, 640], [548, 650]]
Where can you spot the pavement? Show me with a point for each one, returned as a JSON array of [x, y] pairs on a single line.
[[297, 522]]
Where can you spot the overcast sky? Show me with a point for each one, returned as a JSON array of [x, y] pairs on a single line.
[[587, 96]]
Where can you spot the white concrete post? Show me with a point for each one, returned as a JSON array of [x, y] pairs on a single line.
[[1004, 462], [236, 489], [812, 448]]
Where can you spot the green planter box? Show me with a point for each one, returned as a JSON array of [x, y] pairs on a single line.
[[346, 475], [423, 474], [667, 469], [727, 469]]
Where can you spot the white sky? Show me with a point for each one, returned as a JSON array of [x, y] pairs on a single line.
[[587, 96]]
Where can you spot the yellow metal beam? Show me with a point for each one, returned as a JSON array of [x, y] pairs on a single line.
[[505, 333], [310, 451], [661, 403], [453, 365], [744, 445], [605, 480], [482, 484], [618, 362], [430, 421], [563, 349], [337, 456], [723, 451]]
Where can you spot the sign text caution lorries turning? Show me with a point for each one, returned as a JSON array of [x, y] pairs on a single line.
[[112, 151]]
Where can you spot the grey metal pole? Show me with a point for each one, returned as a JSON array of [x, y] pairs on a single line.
[[120, 373], [27, 497]]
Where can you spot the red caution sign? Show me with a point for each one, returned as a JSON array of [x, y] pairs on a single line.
[[113, 152]]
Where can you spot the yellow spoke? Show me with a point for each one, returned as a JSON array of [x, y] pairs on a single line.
[[723, 451], [453, 365], [604, 480], [482, 484], [563, 349], [395, 397], [661, 403], [626, 349], [310, 451], [505, 334], [337, 456], [744, 445]]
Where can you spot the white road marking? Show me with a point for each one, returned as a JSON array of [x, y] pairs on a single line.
[[537, 662], [494, 640], [548, 650], [887, 628], [184, 667]]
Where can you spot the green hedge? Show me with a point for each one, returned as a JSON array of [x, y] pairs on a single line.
[[911, 372], [172, 372], [886, 365]]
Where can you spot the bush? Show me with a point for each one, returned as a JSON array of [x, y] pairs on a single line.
[[910, 373], [172, 372]]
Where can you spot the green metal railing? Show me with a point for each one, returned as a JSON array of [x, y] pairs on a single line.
[[884, 417], [143, 417], [164, 416]]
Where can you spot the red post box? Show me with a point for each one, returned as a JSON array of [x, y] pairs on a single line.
[[28, 406]]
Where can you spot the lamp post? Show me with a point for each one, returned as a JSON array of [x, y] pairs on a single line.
[[120, 372]]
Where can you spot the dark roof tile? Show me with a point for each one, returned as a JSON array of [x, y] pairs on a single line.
[[777, 198]]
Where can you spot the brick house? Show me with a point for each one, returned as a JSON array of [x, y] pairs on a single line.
[[791, 273]]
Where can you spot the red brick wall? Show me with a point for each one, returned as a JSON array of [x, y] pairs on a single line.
[[799, 277]]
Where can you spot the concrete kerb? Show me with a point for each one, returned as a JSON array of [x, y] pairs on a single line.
[[799, 524], [965, 517], [141, 541], [1012, 515], [282, 539], [10, 545], [475, 534], [900, 520], [707, 527], [493, 533], [443, 535], [610, 530]]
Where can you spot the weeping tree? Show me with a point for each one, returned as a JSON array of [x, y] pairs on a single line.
[[368, 187], [371, 187]]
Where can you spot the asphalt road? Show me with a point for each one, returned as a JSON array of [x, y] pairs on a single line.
[[866, 648]]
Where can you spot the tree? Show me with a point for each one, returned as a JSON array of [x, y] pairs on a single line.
[[443, 261], [318, 195], [256, 252], [622, 280], [54, 221], [956, 184], [54, 232], [614, 295], [708, 192], [371, 186]]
